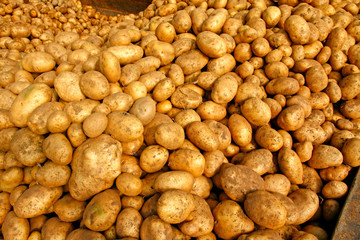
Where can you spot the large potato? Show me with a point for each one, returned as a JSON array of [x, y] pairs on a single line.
[[36, 200], [307, 203], [38, 62], [124, 126], [27, 101], [15, 227], [180, 180], [127, 54], [69, 209], [211, 44], [298, 29], [94, 85], [128, 223], [202, 136], [95, 165], [325, 156], [55, 229], [102, 210], [187, 160]]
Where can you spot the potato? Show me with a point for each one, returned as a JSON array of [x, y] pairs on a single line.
[[215, 21], [350, 108], [317, 231], [85, 234], [59, 121], [53, 174], [230, 220], [238, 180], [5, 206], [325, 156], [202, 136], [170, 135], [187, 61], [127, 54], [128, 223], [298, 29], [94, 85], [132, 202], [11, 178], [68, 209], [67, 86], [54, 228], [187, 160], [283, 85], [80, 110], [307, 203], [224, 88], [211, 44], [155, 228], [38, 62], [213, 162], [290, 165], [86, 157], [311, 179], [277, 183], [268, 138], [27, 147], [102, 210], [201, 220], [130, 128], [95, 124], [184, 97], [128, 184], [291, 118], [330, 209], [256, 111], [38, 222], [27, 101], [335, 173], [222, 65], [171, 180], [240, 129], [15, 227], [334, 189], [248, 90], [350, 152], [27, 207], [270, 216], [259, 160], [211, 111], [222, 132], [7, 99], [162, 50]]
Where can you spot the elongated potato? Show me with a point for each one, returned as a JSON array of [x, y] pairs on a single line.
[[127, 54]]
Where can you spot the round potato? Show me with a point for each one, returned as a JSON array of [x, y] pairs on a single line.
[[170, 135], [124, 126], [153, 158]]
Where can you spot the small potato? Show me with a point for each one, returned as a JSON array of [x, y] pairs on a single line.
[[94, 85], [187, 160], [154, 227], [325, 156], [130, 128], [95, 124], [277, 183], [211, 111], [129, 184], [15, 227], [181, 21], [166, 206], [291, 118], [153, 158], [213, 162], [222, 132], [128, 223], [304, 150], [222, 65], [260, 47], [187, 116], [240, 129], [165, 32], [330, 209], [102, 210], [350, 108], [80, 110], [239, 180], [58, 121], [11, 178], [53, 175], [130, 164], [335, 173], [68, 209], [136, 89], [256, 111], [55, 229], [148, 64], [163, 90], [28, 204], [270, 216], [290, 165], [75, 134], [67, 86], [170, 135], [351, 152], [119, 101], [202, 187], [211, 44], [38, 62], [248, 90], [149, 130], [334, 189], [27, 101], [132, 202], [215, 21], [271, 16], [269, 138], [230, 220], [202, 136], [180, 180], [144, 109]]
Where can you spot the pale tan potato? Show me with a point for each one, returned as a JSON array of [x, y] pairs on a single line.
[[231, 221], [325, 156], [149, 130], [5, 206], [290, 165], [171, 180], [151, 79], [11, 178], [101, 212], [298, 29], [28, 204], [53, 175], [153, 158], [256, 111], [187, 160], [215, 21], [222, 132], [124, 126], [58, 121], [7, 99], [87, 156], [15, 227], [57, 148], [27, 101], [94, 85], [119, 38], [210, 110], [67, 86], [162, 50], [187, 116], [69, 209], [311, 179], [259, 160], [55, 229], [213, 162], [129, 184], [166, 206], [95, 124], [148, 64], [165, 32], [202, 187], [334, 189], [291, 118], [184, 98], [109, 66], [170, 135], [240, 129], [277, 183], [128, 223], [119, 101], [155, 228], [239, 180], [192, 61], [257, 208], [38, 62], [163, 89], [127, 54], [132, 202], [202, 136], [224, 88], [130, 164], [211, 44], [269, 138]]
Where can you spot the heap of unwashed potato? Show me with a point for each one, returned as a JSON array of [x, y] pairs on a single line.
[[218, 119]]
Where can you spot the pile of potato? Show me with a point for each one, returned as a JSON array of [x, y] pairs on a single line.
[[217, 119]]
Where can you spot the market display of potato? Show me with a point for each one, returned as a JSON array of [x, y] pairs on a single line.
[[193, 119]]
